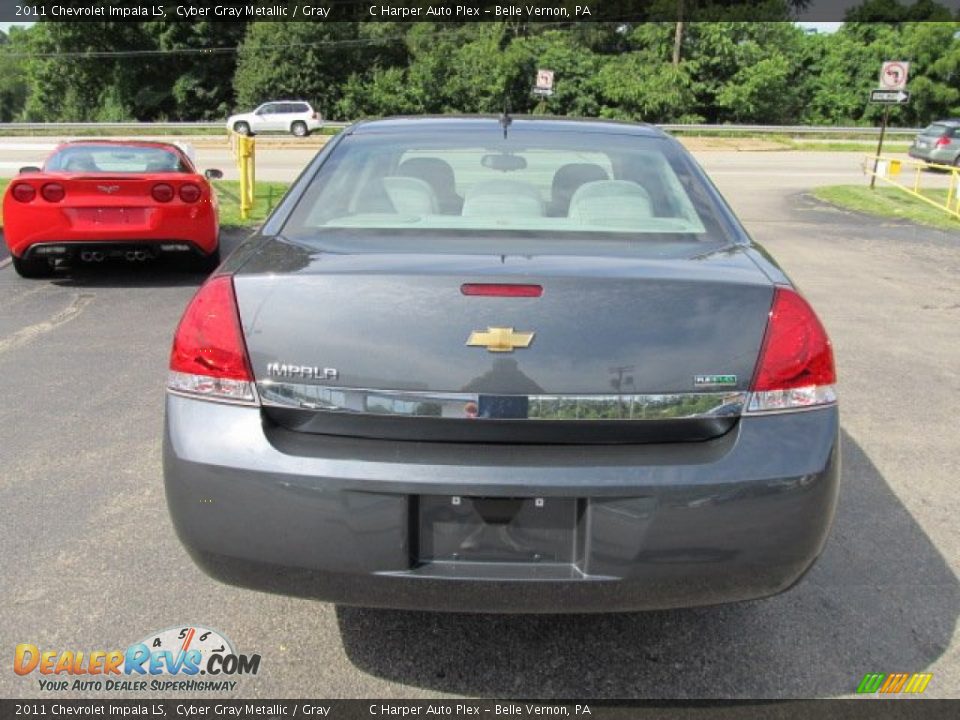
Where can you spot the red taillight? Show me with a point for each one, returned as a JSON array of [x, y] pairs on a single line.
[[943, 142], [53, 192], [162, 192], [501, 290], [209, 357], [23, 193], [189, 193], [796, 361]]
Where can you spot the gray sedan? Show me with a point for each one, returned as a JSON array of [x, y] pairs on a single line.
[[502, 364], [939, 143]]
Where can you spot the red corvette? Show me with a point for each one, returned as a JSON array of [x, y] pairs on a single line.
[[95, 199]]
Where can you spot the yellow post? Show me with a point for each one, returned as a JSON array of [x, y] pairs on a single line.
[[244, 152], [953, 186]]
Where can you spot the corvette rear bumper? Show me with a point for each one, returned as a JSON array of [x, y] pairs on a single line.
[[600, 528], [71, 249]]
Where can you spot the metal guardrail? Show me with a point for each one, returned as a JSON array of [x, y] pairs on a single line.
[[166, 126], [217, 125], [888, 169], [789, 129]]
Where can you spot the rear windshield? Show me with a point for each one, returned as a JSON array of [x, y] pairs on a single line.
[[532, 183], [936, 130], [114, 159]]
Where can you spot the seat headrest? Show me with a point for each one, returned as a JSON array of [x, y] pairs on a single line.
[[410, 196], [610, 202]]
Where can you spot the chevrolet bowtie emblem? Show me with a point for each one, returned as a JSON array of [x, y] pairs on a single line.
[[497, 339]]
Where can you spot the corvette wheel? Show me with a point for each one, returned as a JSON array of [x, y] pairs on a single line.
[[299, 129], [242, 128], [28, 268]]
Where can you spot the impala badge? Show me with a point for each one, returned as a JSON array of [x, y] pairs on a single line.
[[307, 372], [497, 339], [108, 189]]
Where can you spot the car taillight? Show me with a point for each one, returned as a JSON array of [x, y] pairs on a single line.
[[23, 193], [796, 367], [189, 193], [943, 142], [53, 192], [315, 115], [162, 192], [209, 357]]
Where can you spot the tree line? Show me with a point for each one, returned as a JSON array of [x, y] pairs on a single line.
[[758, 71]]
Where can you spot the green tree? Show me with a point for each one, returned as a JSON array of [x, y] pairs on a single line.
[[13, 84]]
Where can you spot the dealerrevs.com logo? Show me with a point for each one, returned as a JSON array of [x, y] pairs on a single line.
[[188, 658]]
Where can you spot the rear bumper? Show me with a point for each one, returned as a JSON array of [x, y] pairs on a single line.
[[27, 227], [72, 249], [946, 156], [660, 526]]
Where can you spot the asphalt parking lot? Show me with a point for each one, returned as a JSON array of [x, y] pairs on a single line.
[[90, 560]]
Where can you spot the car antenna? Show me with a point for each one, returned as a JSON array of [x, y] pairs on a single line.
[[505, 118]]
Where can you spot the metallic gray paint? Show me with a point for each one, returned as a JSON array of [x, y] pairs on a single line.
[[739, 515], [667, 525]]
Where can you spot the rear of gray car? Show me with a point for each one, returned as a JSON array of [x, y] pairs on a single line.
[[527, 366], [939, 143]]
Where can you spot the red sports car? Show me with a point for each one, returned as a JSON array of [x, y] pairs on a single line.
[[95, 199]]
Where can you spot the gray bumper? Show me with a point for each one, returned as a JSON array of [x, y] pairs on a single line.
[[739, 517], [945, 156]]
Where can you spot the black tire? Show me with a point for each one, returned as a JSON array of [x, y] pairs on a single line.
[[299, 129], [956, 161], [242, 128], [208, 263], [29, 268]]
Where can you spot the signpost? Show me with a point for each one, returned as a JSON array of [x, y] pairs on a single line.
[[893, 80]]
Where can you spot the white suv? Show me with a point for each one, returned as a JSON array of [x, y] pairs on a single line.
[[293, 116]]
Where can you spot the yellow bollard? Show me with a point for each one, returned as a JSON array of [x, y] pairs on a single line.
[[244, 152]]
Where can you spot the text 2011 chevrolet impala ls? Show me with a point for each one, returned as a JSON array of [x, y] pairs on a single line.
[[502, 364]]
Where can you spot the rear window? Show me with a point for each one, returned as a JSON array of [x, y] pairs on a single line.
[[534, 182], [116, 159], [936, 130]]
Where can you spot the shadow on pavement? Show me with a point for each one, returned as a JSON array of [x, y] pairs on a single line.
[[880, 599]]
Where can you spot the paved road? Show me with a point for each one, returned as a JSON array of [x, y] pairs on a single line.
[[90, 560]]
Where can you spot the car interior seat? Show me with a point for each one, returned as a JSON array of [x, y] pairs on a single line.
[[438, 174], [503, 199], [611, 202], [566, 180]]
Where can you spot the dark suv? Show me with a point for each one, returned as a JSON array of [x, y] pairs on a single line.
[[938, 143]]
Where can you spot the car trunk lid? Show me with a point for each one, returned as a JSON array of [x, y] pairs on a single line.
[[613, 349]]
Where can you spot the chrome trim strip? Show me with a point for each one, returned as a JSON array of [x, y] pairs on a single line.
[[404, 403]]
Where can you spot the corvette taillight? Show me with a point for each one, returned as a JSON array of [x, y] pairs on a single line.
[[162, 192], [53, 192], [23, 193], [796, 367], [209, 357], [189, 193]]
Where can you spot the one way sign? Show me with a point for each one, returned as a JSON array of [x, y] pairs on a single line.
[[890, 97]]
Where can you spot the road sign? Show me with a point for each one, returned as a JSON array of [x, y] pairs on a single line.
[[544, 84], [890, 97], [894, 74]]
